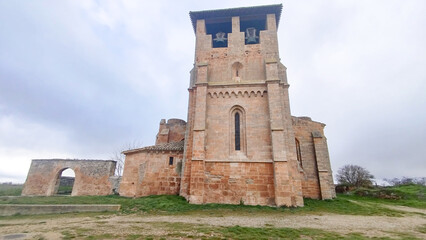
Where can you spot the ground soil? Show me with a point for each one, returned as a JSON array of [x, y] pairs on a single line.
[[45, 228]]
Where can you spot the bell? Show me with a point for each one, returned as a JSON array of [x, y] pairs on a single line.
[[251, 35], [220, 37]]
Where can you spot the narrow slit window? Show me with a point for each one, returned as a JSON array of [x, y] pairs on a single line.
[[170, 160], [237, 132], [237, 70], [299, 153]]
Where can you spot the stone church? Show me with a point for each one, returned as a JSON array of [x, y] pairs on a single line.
[[240, 143]]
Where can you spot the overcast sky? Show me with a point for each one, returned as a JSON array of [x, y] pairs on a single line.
[[82, 79]]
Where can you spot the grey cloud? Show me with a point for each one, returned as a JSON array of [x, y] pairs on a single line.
[[103, 74]]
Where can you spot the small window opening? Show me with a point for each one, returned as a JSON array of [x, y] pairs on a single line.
[[237, 132], [236, 71], [170, 160], [299, 153]]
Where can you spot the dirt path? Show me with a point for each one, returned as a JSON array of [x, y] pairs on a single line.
[[405, 209], [393, 207], [134, 224]]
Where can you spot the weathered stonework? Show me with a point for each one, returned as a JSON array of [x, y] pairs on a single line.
[[156, 170], [241, 143], [315, 162], [92, 177], [171, 131], [150, 171]]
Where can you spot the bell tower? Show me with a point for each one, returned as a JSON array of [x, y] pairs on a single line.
[[239, 142]]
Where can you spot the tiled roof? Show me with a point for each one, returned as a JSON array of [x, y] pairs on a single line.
[[173, 146], [232, 12]]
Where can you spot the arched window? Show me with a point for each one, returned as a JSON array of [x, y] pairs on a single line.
[[298, 153], [237, 144], [237, 132]]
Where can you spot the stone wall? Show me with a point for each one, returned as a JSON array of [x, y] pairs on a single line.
[[66, 181], [251, 183], [172, 131], [252, 103], [150, 173], [32, 209], [91, 177], [115, 184], [315, 160]]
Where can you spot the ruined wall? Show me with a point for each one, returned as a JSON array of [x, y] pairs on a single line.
[[315, 161], [172, 131], [91, 177], [149, 173]]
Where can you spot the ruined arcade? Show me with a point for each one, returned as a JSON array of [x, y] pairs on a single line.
[[240, 143]]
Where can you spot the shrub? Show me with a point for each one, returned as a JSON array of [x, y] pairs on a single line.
[[354, 176]]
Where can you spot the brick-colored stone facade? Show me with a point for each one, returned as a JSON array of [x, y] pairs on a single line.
[[152, 171], [171, 131], [241, 144], [156, 170], [92, 177], [314, 162]]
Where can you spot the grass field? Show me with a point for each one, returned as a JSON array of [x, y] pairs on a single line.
[[64, 190], [348, 204], [197, 231], [412, 195], [167, 204], [16, 190], [10, 189], [149, 217]]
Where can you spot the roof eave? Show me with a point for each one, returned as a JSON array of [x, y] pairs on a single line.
[[230, 12]]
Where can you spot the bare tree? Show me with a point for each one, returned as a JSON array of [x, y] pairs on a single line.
[[406, 181], [119, 157], [355, 176]]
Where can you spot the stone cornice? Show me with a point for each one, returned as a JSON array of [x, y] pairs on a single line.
[[201, 84], [235, 84], [225, 93], [240, 161]]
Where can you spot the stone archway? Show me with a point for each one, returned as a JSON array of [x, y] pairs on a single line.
[[65, 182], [92, 177]]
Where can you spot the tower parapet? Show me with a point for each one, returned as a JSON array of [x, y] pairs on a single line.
[[237, 45]]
